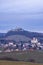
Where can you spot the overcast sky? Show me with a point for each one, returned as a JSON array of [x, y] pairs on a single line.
[[27, 14]]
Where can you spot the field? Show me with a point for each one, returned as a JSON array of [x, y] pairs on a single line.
[[26, 56], [17, 63]]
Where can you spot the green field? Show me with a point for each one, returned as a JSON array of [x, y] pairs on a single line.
[[26, 56], [17, 63]]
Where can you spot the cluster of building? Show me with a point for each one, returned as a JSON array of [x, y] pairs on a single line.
[[34, 45]]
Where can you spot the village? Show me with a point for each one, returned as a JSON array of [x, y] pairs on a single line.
[[34, 44]]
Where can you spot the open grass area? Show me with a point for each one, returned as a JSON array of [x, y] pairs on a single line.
[[26, 56], [17, 63]]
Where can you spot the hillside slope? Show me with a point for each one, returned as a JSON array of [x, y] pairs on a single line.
[[21, 35]]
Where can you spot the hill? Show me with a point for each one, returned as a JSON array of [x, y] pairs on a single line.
[[20, 34]]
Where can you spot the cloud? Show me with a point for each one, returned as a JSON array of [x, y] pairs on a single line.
[[21, 5], [22, 13]]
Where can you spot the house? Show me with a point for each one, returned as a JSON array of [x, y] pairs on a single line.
[[6, 45], [41, 47], [24, 49], [16, 49], [7, 50], [38, 44], [34, 40], [14, 46], [10, 44]]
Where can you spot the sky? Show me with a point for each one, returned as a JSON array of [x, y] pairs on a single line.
[[26, 14]]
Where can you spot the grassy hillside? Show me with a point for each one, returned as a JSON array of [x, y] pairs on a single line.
[[20, 35], [17, 63]]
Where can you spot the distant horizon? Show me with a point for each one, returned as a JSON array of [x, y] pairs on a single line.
[[5, 31]]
